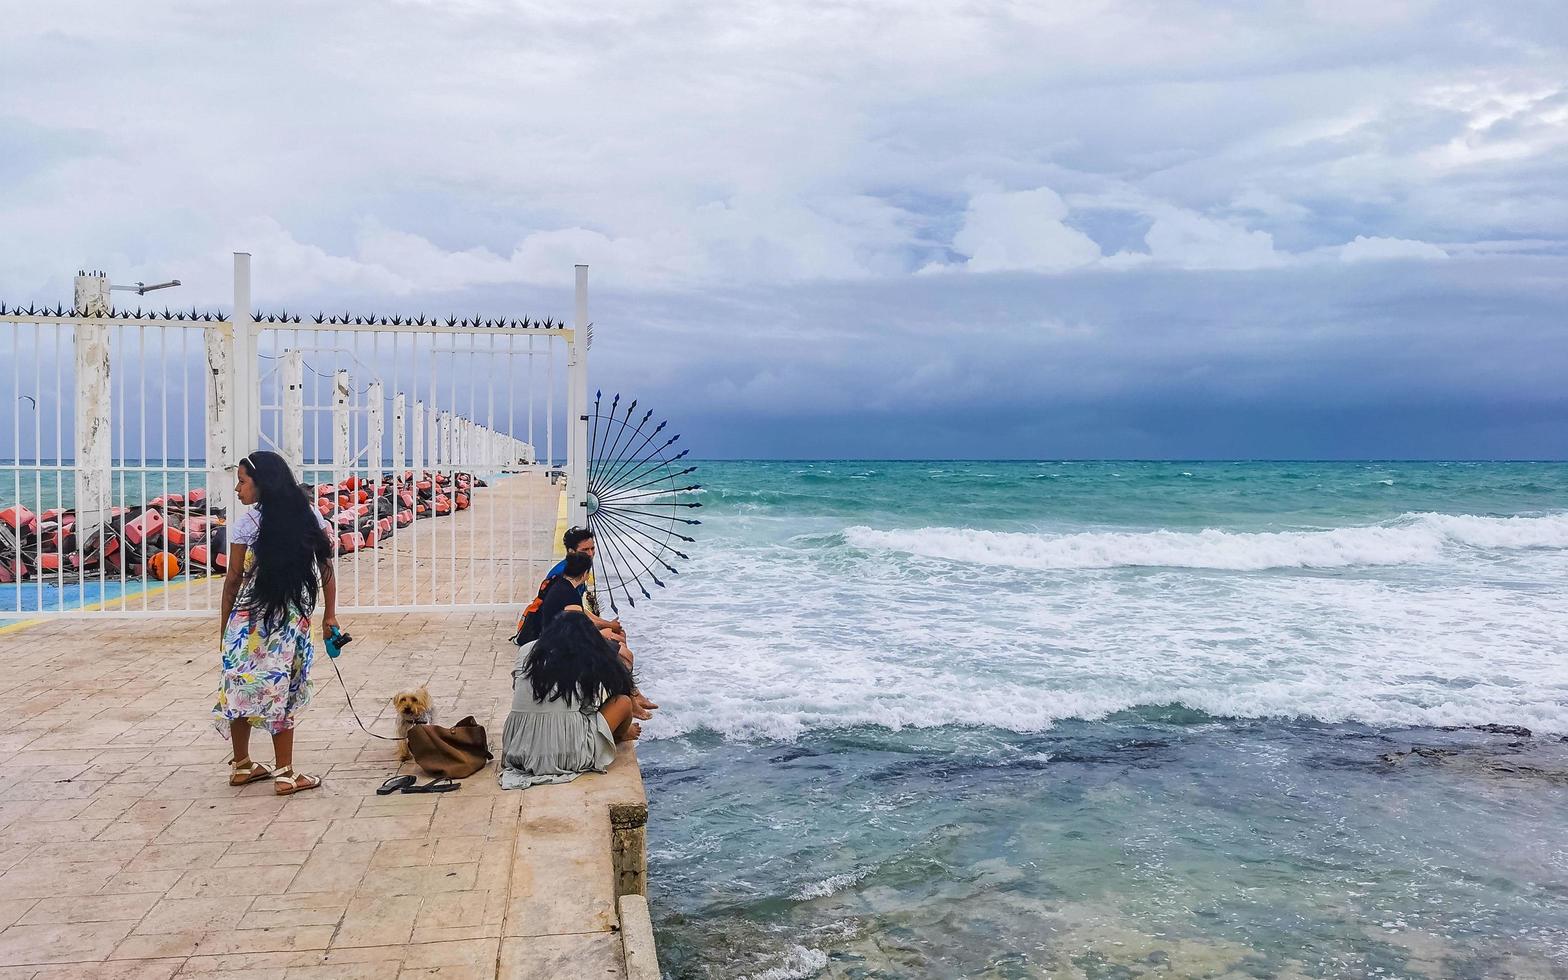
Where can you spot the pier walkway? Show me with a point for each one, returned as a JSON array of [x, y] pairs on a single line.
[[125, 853]]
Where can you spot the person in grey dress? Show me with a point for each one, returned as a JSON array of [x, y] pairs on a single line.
[[571, 702]]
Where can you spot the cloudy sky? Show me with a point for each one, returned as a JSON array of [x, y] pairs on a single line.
[[1156, 229]]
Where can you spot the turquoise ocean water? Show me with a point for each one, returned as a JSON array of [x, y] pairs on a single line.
[[1113, 720]]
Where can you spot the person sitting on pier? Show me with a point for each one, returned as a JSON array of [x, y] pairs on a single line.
[[571, 703], [581, 539], [563, 593]]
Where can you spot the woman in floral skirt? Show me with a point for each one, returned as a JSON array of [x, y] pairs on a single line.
[[279, 555]]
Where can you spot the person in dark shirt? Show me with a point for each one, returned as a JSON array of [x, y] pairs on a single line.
[[565, 594], [562, 595], [582, 539]]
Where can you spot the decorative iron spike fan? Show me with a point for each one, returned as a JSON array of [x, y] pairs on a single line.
[[635, 508]]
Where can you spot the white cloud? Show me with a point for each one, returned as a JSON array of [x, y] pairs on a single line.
[[1364, 249], [1188, 240], [1012, 231]]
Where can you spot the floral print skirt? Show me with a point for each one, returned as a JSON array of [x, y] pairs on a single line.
[[266, 676]]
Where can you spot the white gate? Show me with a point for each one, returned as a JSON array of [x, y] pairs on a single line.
[[443, 451]]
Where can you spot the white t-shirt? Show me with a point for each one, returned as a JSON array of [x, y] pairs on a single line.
[[248, 527]]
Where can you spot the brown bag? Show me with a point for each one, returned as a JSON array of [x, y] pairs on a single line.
[[458, 751]]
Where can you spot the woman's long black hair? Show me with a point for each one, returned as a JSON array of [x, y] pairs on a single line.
[[292, 552], [572, 660]]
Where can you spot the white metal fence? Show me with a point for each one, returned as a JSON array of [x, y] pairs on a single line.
[[430, 444]]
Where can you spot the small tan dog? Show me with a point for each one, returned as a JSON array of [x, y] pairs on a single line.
[[413, 708]]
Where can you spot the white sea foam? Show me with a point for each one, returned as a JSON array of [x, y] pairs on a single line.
[[800, 963], [770, 636], [830, 885], [1414, 539]]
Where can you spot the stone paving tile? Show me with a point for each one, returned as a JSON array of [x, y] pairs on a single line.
[[305, 909], [584, 955], [135, 970], [177, 857], [48, 879], [378, 920], [174, 915], [93, 908], [334, 867], [142, 881], [216, 882], [84, 942]]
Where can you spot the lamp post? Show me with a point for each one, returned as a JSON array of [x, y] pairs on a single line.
[[142, 289]]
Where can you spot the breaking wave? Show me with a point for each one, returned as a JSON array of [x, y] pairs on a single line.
[[1412, 539]]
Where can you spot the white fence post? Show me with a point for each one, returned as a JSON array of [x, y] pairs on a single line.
[[373, 421], [94, 446], [292, 377], [340, 393], [247, 377], [418, 432], [397, 436], [220, 414], [433, 445], [577, 408]]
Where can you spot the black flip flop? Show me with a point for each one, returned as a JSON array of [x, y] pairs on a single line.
[[443, 784], [395, 783]]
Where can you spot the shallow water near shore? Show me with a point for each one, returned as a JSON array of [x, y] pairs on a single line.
[[1113, 720], [1134, 846]]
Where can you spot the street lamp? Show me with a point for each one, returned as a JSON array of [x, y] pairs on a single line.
[[142, 289]]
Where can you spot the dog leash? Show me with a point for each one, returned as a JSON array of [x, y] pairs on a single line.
[[354, 711]]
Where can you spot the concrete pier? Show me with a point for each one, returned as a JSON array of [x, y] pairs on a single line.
[[125, 853]]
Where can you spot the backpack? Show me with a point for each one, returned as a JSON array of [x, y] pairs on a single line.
[[530, 618]]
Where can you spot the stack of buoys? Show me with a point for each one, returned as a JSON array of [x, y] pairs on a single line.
[[168, 535], [365, 514], [174, 534]]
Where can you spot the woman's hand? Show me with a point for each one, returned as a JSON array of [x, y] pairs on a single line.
[[327, 622]]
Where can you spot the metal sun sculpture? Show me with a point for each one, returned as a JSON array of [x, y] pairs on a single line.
[[635, 505]]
